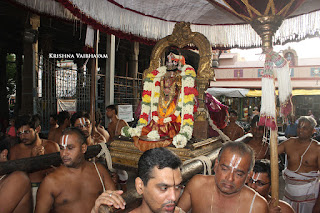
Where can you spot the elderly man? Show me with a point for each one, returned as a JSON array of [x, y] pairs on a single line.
[[74, 186], [226, 190], [159, 182], [302, 173], [260, 181]]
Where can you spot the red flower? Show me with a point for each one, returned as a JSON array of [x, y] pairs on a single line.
[[190, 90], [188, 116], [157, 83], [154, 113], [146, 92], [144, 116], [155, 72]]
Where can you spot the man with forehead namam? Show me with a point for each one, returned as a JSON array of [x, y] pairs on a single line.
[[28, 129], [260, 181], [302, 173], [74, 186], [226, 190], [81, 120], [159, 182]]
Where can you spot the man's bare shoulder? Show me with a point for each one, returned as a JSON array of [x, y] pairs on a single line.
[[50, 146], [58, 175], [259, 202], [199, 182], [288, 143], [123, 123], [19, 177], [16, 151], [285, 207]]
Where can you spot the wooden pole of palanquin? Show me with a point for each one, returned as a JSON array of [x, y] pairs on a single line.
[[94, 69], [266, 26]]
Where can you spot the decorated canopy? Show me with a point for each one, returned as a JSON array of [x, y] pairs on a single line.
[[223, 22]]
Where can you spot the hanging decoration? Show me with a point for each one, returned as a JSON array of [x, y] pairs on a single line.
[[89, 42], [275, 62]]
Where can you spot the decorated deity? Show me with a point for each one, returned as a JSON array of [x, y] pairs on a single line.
[[168, 101]]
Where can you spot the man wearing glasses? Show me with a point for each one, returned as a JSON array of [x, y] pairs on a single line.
[[260, 181], [31, 145], [81, 120]]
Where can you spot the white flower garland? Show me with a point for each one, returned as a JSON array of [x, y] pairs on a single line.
[[188, 78]]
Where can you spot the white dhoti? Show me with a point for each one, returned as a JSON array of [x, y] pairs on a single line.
[[301, 190], [34, 190]]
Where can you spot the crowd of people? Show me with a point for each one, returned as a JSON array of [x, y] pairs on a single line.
[[241, 180]]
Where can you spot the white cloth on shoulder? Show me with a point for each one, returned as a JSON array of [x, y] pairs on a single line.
[[301, 189]]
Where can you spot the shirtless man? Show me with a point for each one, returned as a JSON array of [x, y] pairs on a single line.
[[260, 181], [15, 189], [233, 130], [81, 120], [256, 143], [99, 128], [53, 123], [115, 126], [28, 129], [302, 173], [63, 122], [159, 182], [75, 185], [226, 190]]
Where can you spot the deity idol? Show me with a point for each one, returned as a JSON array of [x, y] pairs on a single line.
[[168, 103]]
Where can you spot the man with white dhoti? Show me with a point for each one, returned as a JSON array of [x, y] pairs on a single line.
[[302, 173]]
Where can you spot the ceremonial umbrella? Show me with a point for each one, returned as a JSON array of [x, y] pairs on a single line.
[[224, 22]]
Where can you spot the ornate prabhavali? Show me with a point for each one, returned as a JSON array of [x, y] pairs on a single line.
[[123, 151], [181, 37]]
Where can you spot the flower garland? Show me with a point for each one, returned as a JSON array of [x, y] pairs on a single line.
[[150, 101]]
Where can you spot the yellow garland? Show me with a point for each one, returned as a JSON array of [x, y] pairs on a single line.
[[188, 98], [188, 121]]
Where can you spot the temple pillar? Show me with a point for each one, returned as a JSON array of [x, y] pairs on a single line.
[[30, 68], [110, 65], [134, 72]]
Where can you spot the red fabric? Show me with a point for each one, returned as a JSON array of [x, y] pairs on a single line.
[[88, 49], [173, 117], [268, 121], [286, 108]]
